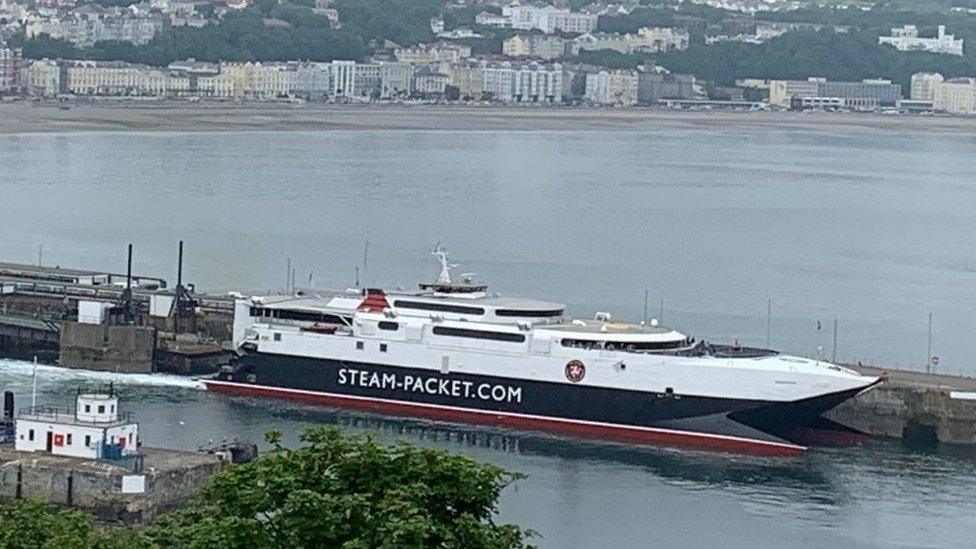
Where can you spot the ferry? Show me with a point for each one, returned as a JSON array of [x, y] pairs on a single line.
[[452, 351]]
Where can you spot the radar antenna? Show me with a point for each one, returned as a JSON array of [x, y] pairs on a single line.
[[441, 254]]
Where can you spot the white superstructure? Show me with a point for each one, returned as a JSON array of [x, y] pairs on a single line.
[[91, 429]]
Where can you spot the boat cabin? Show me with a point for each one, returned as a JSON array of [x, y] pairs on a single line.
[[94, 428]]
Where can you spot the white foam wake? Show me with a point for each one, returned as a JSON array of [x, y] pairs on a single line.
[[18, 368]]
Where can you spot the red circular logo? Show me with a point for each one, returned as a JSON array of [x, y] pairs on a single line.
[[575, 371]]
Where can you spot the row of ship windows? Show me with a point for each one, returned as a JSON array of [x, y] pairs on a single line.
[[466, 332], [623, 346], [468, 310], [418, 305], [304, 316], [388, 325], [461, 332]]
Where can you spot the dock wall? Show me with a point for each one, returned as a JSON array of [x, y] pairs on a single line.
[[913, 413], [124, 349], [97, 487]]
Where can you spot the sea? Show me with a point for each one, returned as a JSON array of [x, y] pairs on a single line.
[[848, 243]]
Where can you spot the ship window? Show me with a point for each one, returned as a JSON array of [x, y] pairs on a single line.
[[101, 408], [439, 307], [257, 311], [30, 435], [382, 347], [527, 313], [88, 441], [478, 334], [623, 345], [277, 336], [307, 316], [359, 345], [87, 408], [68, 439], [387, 325]]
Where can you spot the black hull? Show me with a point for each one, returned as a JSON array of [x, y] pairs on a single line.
[[614, 414]]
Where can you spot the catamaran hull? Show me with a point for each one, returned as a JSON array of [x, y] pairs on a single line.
[[669, 419]]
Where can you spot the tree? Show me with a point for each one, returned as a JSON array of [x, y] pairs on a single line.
[[33, 523], [341, 491], [239, 37], [43, 46], [333, 491]]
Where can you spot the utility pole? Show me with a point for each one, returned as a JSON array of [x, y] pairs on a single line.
[[366, 260], [645, 306], [928, 351], [833, 355], [288, 277], [769, 319], [660, 316]]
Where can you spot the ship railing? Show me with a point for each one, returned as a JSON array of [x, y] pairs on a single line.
[[67, 414]]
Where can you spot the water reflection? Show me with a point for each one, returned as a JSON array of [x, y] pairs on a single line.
[[581, 493]]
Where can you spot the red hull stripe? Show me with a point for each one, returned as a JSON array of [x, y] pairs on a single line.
[[586, 429]]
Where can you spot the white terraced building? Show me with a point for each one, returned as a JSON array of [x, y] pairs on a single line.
[[924, 85], [618, 87], [548, 19], [956, 96], [907, 39]]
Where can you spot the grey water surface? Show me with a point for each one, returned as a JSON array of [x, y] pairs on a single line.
[[584, 494], [874, 228]]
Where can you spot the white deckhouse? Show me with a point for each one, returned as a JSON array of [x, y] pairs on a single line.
[[93, 429]]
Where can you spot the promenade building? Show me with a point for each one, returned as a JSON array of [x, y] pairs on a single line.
[[867, 94], [343, 81], [924, 85], [656, 86], [11, 66], [115, 78], [906, 38], [428, 82], [469, 78], [111, 78], [368, 84], [616, 87], [311, 81], [782, 91], [549, 19], [956, 96], [528, 82], [395, 79], [41, 78], [535, 44]]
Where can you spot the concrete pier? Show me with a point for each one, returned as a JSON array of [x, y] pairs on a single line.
[[110, 491], [137, 331], [915, 407]]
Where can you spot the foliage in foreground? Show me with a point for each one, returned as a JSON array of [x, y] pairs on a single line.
[[333, 491]]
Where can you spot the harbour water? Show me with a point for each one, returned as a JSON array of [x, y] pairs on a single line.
[[583, 494], [873, 228]]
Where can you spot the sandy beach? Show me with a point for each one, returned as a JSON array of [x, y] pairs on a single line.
[[27, 117]]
